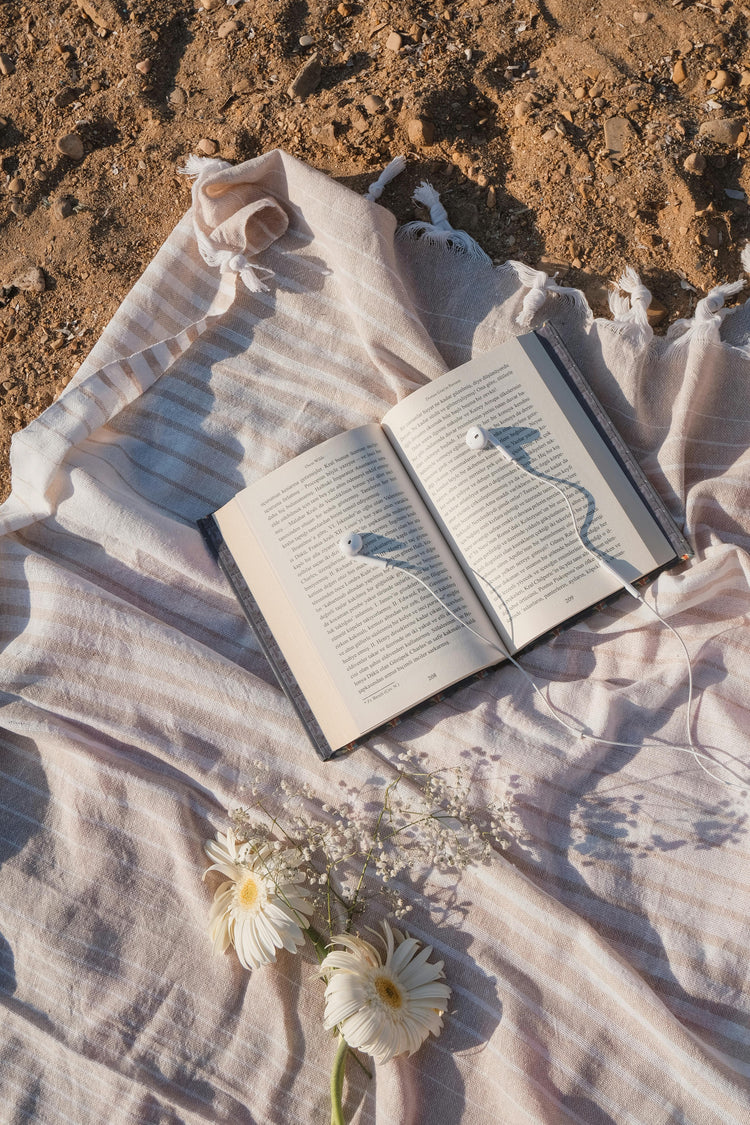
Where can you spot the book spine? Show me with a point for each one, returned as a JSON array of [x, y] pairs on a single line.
[[281, 670]]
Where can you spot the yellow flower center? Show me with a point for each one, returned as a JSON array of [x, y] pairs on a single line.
[[248, 891], [388, 992]]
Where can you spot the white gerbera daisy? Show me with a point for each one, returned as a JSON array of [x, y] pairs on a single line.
[[384, 1007], [261, 907]]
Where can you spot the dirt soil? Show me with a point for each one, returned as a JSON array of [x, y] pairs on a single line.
[[580, 136]]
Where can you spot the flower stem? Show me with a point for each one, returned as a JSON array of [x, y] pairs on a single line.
[[318, 942], [337, 1082]]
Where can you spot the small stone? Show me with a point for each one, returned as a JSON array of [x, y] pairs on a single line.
[[373, 104], [522, 111], [177, 96], [580, 93], [696, 163], [420, 131], [491, 202], [721, 80], [550, 135], [32, 280], [7, 66], [641, 17], [207, 147], [15, 187], [359, 123], [656, 312], [65, 97], [102, 13], [679, 73], [62, 208], [394, 42], [327, 134], [306, 40], [721, 130], [228, 28], [211, 5], [58, 343], [144, 66], [307, 79], [617, 133], [70, 145]]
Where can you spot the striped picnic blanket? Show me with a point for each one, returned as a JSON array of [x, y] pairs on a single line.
[[598, 966]]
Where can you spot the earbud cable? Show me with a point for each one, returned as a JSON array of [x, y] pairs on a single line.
[[578, 732], [691, 748], [699, 756]]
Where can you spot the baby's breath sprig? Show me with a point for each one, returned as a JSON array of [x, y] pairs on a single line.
[[420, 819]]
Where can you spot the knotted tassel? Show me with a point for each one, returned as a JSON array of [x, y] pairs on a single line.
[[541, 286], [631, 311], [395, 168], [225, 260], [439, 229]]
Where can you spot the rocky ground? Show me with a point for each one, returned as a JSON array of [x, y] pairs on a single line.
[[585, 136]]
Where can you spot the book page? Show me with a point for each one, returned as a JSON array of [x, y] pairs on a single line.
[[511, 528], [364, 644]]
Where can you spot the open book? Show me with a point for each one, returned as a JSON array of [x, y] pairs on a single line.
[[356, 646]]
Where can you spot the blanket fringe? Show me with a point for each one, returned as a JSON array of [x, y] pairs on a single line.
[[439, 230], [709, 312], [395, 168], [630, 312], [541, 286]]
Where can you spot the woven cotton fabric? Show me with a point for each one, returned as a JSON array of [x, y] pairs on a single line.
[[599, 966]]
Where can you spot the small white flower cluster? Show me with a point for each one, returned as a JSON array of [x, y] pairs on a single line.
[[419, 821]]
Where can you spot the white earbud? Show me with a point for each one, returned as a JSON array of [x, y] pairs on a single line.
[[479, 438], [350, 545]]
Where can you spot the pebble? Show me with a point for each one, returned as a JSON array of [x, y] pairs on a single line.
[[722, 130], [144, 66], [393, 42], [177, 96], [228, 28], [62, 208], [307, 79], [695, 162], [70, 145], [420, 131], [641, 17], [32, 280], [7, 66], [679, 73], [102, 13], [617, 132], [373, 104], [15, 187], [65, 97], [207, 147], [306, 40], [721, 80], [211, 5]]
